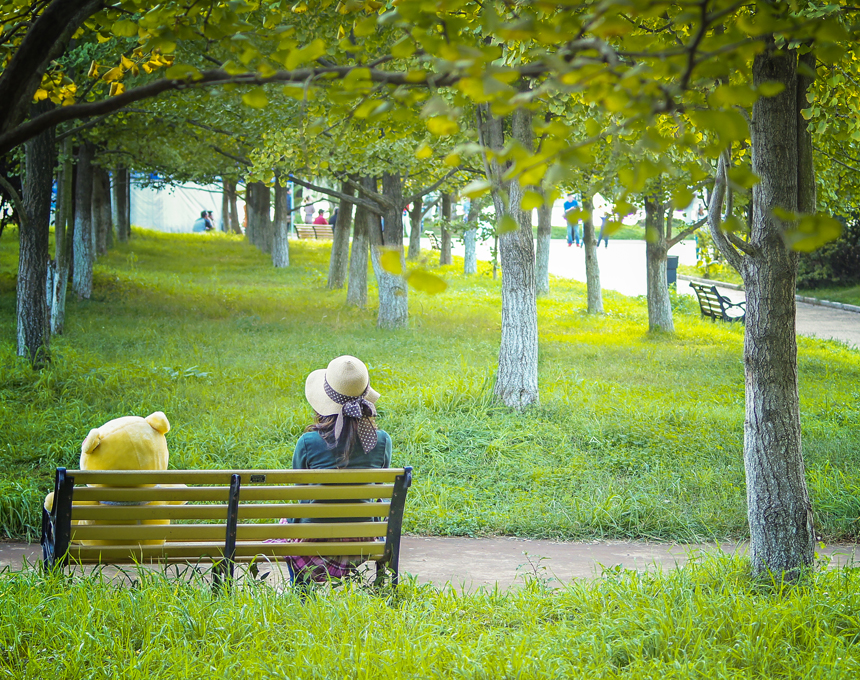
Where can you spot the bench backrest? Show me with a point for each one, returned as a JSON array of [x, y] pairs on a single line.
[[709, 300], [215, 514], [318, 231]]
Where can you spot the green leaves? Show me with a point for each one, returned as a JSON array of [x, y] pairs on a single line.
[[255, 98], [391, 260], [506, 225], [810, 232]]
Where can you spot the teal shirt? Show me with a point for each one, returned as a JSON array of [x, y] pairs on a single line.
[[312, 453]]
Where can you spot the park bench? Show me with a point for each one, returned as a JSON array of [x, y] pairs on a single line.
[[434, 241], [224, 517], [316, 231], [717, 306]]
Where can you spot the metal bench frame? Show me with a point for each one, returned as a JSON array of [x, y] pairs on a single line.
[[716, 306]]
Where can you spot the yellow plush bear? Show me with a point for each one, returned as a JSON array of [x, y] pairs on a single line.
[[129, 443]]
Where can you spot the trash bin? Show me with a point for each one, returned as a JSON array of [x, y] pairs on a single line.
[[671, 269]]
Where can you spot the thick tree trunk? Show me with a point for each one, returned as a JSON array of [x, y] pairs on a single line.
[[470, 238], [82, 276], [445, 241], [544, 237], [356, 291], [281, 244], [339, 261], [592, 267], [230, 190], [258, 201], [517, 384], [122, 204], [101, 209], [782, 536], [415, 216], [32, 306], [656, 249], [393, 293]]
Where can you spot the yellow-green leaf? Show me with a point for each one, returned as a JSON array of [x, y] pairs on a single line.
[[682, 198], [124, 28], [255, 98], [181, 72], [531, 200], [423, 151], [742, 176], [812, 232], [391, 262], [506, 224], [442, 126], [475, 188], [426, 282], [732, 224]]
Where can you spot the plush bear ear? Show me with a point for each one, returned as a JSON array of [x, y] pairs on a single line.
[[91, 442], [158, 422]]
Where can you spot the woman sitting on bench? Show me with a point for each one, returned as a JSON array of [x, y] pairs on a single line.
[[343, 435]]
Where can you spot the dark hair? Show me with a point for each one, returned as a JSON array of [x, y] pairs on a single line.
[[347, 444]]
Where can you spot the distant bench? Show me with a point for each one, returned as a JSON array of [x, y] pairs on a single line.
[[318, 231], [219, 515], [434, 240], [716, 306]]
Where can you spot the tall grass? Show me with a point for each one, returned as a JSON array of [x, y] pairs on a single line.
[[636, 435], [707, 620]]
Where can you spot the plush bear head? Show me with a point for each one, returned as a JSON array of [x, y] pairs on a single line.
[[129, 443]]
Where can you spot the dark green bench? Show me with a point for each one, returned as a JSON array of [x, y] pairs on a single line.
[[716, 306]]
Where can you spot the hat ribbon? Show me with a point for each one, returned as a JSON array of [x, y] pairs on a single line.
[[358, 408]]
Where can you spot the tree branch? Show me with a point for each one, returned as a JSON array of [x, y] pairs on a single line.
[[432, 187], [715, 208], [680, 236], [355, 200], [16, 201]]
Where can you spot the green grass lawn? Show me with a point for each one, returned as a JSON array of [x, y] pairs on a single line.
[[849, 296], [636, 436]]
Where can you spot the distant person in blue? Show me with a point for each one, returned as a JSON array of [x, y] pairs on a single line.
[[603, 235], [200, 223], [571, 205]]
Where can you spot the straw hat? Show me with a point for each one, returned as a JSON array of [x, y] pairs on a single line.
[[345, 375]]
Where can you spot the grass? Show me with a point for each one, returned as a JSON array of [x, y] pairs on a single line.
[[636, 436], [708, 620], [849, 296]]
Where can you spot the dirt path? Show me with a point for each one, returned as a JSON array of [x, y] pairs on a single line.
[[469, 563]]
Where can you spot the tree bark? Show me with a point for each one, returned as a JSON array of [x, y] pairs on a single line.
[[339, 261], [544, 238], [782, 536], [656, 249], [445, 241], [258, 200], [415, 216], [393, 292], [592, 267], [101, 208], [235, 224], [281, 244], [470, 238], [225, 208], [82, 276], [122, 204], [356, 292], [33, 331]]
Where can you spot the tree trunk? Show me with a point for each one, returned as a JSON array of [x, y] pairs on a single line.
[[470, 238], [281, 244], [544, 237], [656, 249], [101, 208], [445, 241], [225, 208], [62, 242], [340, 246], [82, 276], [393, 293], [267, 233], [121, 195], [356, 291], [782, 536], [592, 267], [415, 219], [33, 332], [516, 384], [230, 190], [258, 202]]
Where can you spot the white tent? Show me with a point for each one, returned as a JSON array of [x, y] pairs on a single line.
[[174, 208]]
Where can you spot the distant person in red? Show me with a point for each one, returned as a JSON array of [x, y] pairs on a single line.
[[320, 218]]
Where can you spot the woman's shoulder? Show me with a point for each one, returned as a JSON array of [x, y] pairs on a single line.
[[311, 440], [383, 436]]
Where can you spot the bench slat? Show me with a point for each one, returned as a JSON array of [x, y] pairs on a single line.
[[220, 493], [248, 477], [246, 511], [128, 554], [130, 533]]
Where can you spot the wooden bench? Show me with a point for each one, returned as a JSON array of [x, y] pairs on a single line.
[[435, 244], [317, 231], [224, 516], [716, 306]]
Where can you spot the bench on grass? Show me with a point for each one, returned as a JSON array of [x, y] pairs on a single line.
[[317, 231], [435, 244], [224, 516], [717, 306]]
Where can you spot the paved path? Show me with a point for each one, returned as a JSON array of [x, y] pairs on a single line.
[[470, 563], [622, 269]]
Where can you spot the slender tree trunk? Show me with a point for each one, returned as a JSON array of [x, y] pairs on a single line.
[[281, 244], [415, 216], [656, 249], [267, 235], [62, 242], [470, 238], [82, 276], [32, 307], [782, 536], [544, 237], [592, 267], [121, 195], [445, 241], [356, 292], [225, 208], [101, 208], [393, 293], [230, 190], [339, 261]]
